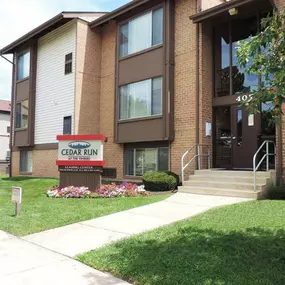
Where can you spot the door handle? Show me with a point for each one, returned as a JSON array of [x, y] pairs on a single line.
[[234, 138]]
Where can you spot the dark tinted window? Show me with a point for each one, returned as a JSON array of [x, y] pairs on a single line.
[[68, 64], [67, 123]]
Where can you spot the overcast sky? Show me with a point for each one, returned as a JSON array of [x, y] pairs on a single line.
[[17, 17]]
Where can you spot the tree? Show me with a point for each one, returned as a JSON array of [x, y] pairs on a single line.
[[266, 54]]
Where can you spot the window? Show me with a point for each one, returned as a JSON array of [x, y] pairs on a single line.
[[67, 123], [23, 65], [26, 161], [239, 126], [22, 112], [8, 129], [268, 127], [138, 161], [142, 32], [68, 64], [8, 155], [232, 79], [141, 99]]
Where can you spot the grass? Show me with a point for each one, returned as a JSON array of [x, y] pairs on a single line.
[[242, 244], [40, 213]]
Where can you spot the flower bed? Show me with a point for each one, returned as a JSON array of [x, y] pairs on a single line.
[[106, 191]]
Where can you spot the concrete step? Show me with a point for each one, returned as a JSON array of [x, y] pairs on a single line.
[[224, 185], [220, 192], [230, 179], [229, 173]]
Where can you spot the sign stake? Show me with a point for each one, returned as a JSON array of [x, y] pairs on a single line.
[[18, 209]]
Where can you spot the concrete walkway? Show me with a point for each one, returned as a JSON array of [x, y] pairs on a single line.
[[82, 237], [22, 262]]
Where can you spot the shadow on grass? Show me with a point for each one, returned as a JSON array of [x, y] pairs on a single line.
[[23, 178], [198, 257]]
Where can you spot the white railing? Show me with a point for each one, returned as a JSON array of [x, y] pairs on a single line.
[[198, 153], [266, 155]]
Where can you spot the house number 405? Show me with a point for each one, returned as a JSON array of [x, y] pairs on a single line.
[[244, 98]]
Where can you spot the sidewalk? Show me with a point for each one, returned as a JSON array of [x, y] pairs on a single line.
[[84, 236], [22, 262]]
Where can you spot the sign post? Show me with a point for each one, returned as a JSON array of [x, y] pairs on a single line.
[[17, 199], [80, 160]]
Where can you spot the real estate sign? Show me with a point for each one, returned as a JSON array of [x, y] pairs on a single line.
[[80, 150]]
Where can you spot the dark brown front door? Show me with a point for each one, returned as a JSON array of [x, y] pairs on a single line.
[[245, 133]]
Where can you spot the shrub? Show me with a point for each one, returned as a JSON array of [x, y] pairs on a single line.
[[159, 181], [276, 193], [176, 176]]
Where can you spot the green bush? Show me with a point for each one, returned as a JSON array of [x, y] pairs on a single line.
[[176, 176], [159, 181], [276, 193]]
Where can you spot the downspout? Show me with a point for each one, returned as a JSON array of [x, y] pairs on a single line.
[[197, 85], [11, 113]]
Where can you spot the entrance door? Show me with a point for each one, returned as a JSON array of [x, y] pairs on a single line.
[[246, 130]]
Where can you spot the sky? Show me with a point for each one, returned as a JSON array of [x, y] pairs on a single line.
[[17, 17]]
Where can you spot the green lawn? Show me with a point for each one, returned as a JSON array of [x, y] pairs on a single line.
[[40, 213], [242, 244]]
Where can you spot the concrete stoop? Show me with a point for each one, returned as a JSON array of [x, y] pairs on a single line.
[[229, 183]]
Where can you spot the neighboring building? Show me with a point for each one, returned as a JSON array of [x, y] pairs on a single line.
[[5, 110], [147, 77]]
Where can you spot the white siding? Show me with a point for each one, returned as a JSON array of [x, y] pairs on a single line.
[[54, 89], [4, 136]]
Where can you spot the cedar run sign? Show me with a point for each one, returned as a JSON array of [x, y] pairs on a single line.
[[80, 150]]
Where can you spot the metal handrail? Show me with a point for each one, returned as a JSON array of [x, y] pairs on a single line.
[[266, 155], [198, 154]]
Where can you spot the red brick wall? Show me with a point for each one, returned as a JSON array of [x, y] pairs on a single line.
[[184, 83]]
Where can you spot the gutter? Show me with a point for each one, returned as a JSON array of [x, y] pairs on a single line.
[[6, 59], [216, 10], [34, 32], [121, 10]]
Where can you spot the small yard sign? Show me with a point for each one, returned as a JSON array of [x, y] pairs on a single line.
[[17, 195], [17, 199]]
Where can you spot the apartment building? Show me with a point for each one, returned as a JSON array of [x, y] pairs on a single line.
[[155, 77], [5, 110]]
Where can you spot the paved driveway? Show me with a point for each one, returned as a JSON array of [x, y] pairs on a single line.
[[84, 236]]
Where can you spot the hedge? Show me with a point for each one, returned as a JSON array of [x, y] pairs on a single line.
[[159, 181]]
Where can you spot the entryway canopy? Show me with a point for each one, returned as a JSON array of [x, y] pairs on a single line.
[[221, 12]]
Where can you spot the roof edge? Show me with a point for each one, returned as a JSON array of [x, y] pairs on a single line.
[[9, 48], [117, 12], [63, 15], [201, 16]]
